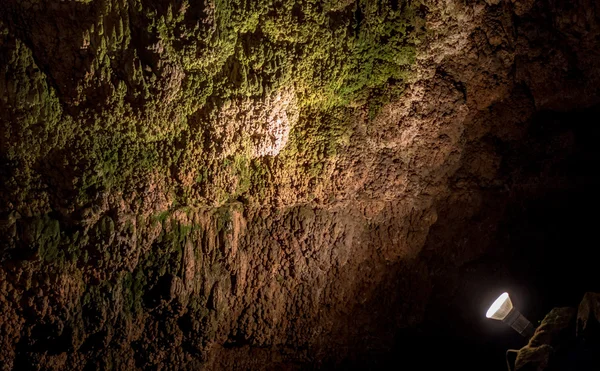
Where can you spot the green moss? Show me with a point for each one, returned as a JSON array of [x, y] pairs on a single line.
[[133, 292], [161, 217], [146, 108], [224, 219], [43, 234]]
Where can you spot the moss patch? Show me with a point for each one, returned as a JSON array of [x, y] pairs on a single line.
[[154, 75]]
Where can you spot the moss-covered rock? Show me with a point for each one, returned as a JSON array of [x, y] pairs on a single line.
[[164, 71]]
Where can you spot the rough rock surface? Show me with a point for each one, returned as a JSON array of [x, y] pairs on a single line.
[[560, 343], [257, 184], [588, 317]]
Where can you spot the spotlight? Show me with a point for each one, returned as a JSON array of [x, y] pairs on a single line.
[[502, 310]]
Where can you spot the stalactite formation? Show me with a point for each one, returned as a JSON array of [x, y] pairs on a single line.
[[290, 184]]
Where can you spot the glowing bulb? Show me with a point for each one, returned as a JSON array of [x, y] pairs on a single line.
[[502, 310]]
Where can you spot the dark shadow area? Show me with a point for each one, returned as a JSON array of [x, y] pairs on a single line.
[[542, 253]]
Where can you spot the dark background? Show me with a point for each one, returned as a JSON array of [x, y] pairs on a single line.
[[543, 253]]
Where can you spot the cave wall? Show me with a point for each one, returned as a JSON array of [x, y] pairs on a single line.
[[257, 184]]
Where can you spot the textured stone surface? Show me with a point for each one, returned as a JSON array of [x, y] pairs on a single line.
[[588, 317], [555, 330], [561, 341], [534, 358], [254, 184]]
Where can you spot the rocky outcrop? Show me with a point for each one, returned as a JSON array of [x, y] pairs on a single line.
[[256, 184], [564, 340]]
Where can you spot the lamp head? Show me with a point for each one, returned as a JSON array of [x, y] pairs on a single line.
[[500, 308]]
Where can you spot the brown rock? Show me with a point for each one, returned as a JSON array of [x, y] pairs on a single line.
[[308, 269], [588, 317], [554, 332], [556, 328], [522, 6], [534, 358]]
